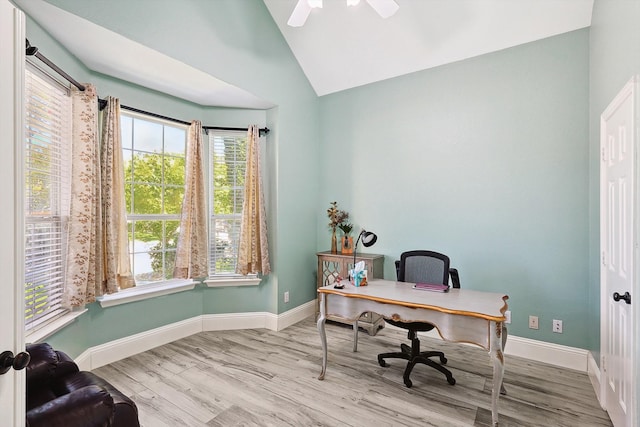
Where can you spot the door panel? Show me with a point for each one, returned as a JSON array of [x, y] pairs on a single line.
[[11, 130], [618, 269]]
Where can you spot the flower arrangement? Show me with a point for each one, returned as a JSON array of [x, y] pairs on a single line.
[[337, 219], [336, 216]]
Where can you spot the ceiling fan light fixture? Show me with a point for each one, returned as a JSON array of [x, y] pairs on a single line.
[[385, 8]]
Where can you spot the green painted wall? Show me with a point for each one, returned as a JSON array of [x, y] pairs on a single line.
[[485, 160], [237, 42]]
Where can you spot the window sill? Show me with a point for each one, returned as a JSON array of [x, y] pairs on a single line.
[[52, 327], [143, 292], [220, 282]]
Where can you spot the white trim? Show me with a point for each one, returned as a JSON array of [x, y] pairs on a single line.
[[122, 348], [52, 327], [230, 281], [553, 354], [142, 292], [113, 351], [594, 375]]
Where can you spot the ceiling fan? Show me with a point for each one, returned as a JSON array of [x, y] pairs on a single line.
[[385, 9]]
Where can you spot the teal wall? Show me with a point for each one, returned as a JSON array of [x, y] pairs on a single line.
[[238, 42], [263, 65], [484, 160]]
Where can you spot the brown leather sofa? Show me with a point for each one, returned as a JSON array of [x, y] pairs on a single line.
[[60, 395]]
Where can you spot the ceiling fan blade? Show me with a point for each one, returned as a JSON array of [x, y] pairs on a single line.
[[300, 14], [385, 8]]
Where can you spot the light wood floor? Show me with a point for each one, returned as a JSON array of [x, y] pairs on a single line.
[[264, 378]]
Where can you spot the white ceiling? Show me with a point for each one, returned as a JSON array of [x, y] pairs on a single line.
[[338, 48], [341, 46]]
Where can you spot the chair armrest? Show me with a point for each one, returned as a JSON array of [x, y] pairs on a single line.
[[42, 365], [89, 406]]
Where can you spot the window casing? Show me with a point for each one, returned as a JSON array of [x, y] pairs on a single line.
[[47, 192], [227, 165], [154, 170]]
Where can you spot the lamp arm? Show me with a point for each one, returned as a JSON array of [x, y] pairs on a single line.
[[355, 247]]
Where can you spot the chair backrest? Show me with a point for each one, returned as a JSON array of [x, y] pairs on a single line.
[[424, 267]]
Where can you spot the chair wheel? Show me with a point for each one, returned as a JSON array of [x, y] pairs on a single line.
[[451, 380], [382, 362], [443, 360], [408, 383]]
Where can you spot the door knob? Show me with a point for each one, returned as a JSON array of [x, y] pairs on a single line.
[[626, 297], [8, 361]]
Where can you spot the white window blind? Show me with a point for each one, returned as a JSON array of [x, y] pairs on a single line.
[[47, 187], [227, 165]]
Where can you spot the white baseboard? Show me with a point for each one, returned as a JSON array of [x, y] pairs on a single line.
[[95, 357], [113, 351], [594, 375]]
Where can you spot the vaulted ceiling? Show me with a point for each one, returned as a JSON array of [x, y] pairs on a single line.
[[338, 48]]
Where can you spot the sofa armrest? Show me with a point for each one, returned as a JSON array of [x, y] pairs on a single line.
[[90, 406]]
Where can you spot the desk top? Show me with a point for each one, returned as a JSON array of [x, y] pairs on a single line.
[[465, 302]]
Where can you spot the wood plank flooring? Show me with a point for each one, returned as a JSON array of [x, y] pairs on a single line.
[[260, 377]]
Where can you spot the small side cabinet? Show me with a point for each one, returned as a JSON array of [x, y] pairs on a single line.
[[330, 266]]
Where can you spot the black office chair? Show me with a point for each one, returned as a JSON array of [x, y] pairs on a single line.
[[421, 267]]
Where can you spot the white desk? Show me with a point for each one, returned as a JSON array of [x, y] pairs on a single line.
[[460, 315]]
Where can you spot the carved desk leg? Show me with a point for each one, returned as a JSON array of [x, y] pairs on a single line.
[[495, 351], [323, 335], [505, 334], [355, 335]]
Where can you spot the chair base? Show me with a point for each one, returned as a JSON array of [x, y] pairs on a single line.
[[414, 356]]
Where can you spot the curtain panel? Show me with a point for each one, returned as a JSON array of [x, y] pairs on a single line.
[[116, 265], [253, 251], [191, 252], [84, 252]]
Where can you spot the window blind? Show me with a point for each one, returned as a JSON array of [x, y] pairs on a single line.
[[227, 165], [47, 192]]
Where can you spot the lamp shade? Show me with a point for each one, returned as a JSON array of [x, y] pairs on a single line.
[[368, 238]]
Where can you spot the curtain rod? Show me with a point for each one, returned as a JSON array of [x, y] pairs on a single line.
[[103, 103], [33, 51]]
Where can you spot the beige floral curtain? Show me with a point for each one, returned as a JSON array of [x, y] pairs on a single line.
[[253, 251], [83, 271], [191, 252], [116, 263]]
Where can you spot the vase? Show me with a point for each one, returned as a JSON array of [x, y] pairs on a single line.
[[347, 245], [334, 243]]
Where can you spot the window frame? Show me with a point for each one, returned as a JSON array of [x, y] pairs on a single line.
[[133, 217], [222, 279]]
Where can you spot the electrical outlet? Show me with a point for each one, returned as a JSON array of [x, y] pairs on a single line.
[[507, 314], [533, 322], [557, 326], [286, 296]]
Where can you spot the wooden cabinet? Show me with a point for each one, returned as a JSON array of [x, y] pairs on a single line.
[[330, 266]]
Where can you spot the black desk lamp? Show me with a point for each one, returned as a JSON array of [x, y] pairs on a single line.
[[368, 239]]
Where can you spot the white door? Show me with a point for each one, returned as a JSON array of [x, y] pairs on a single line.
[[617, 241], [12, 39]]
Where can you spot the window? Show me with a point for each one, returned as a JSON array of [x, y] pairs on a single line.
[[227, 163], [154, 169], [47, 187]]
